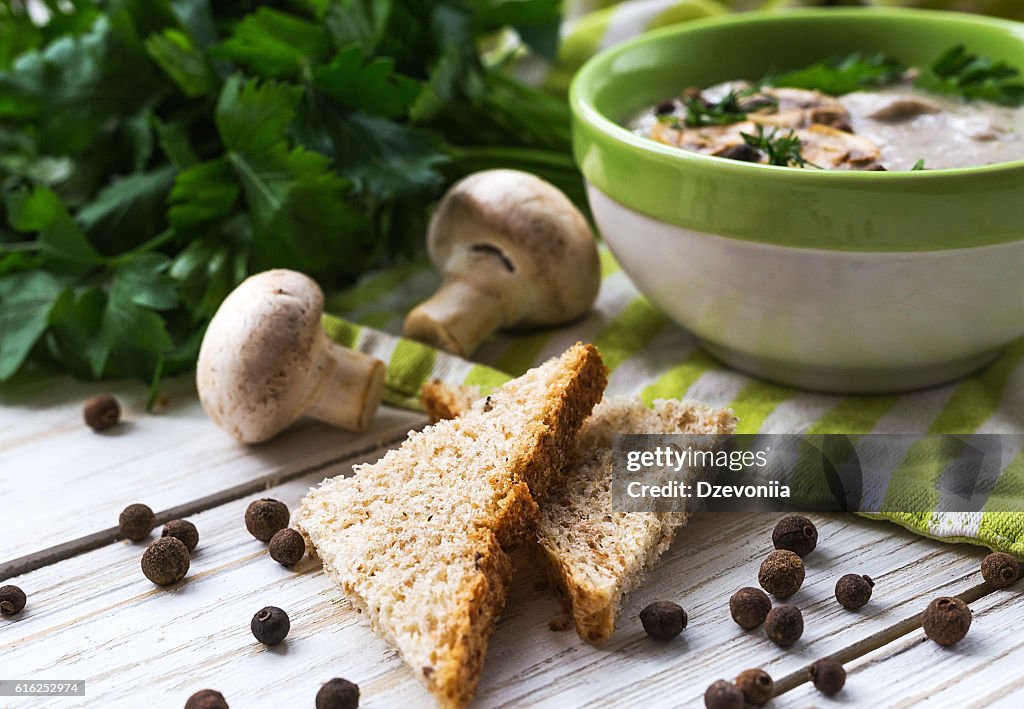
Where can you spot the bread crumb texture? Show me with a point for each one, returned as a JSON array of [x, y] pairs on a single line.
[[418, 539], [592, 555]]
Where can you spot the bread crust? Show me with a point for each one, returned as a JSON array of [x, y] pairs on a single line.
[[446, 401], [463, 631], [455, 685], [557, 440], [595, 607]]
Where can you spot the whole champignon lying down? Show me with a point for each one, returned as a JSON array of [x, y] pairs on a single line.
[[266, 360], [514, 252]]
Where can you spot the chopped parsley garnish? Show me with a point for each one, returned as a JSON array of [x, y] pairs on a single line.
[[782, 150], [972, 76], [919, 165], [732, 108], [956, 72], [701, 113], [843, 75]]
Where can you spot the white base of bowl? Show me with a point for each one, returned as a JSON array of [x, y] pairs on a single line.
[[838, 380], [837, 321]]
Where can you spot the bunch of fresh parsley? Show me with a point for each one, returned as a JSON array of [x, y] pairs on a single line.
[[155, 152]]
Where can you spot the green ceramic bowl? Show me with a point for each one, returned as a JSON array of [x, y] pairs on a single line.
[[843, 281]]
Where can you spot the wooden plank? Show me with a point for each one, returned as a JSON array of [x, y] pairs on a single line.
[[62, 482], [984, 670], [94, 617], [721, 553]]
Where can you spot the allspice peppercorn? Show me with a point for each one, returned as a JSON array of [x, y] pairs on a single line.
[[663, 620], [184, 531], [723, 695], [338, 694], [287, 547], [206, 699], [946, 620], [12, 600], [165, 561], [264, 518], [853, 591], [757, 686], [784, 625], [136, 522], [749, 607], [1000, 570], [270, 625], [828, 676], [797, 534], [782, 573], [101, 412]]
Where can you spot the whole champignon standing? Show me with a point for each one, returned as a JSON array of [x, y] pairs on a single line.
[[514, 252], [265, 361]]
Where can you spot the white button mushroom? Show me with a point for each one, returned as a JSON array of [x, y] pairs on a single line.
[[265, 361], [514, 252]]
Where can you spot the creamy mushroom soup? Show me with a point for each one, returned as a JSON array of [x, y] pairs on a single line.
[[895, 125]]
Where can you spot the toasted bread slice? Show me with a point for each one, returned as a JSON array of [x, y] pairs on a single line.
[[592, 554], [418, 539]]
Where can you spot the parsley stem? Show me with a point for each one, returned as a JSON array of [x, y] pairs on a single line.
[[153, 244], [497, 154], [20, 246]]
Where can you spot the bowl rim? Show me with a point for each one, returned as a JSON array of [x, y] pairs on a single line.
[[584, 109]]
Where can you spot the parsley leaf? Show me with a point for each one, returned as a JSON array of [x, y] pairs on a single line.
[[203, 193], [843, 75], [291, 193], [128, 210], [64, 247], [178, 55], [131, 339], [362, 23], [972, 76], [26, 300], [782, 150], [374, 86], [701, 113], [153, 153], [274, 43], [74, 321], [382, 158]]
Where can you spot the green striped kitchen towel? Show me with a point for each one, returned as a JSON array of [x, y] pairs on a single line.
[[652, 356]]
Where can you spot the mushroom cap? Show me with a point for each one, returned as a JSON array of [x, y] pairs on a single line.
[[510, 231], [254, 369]]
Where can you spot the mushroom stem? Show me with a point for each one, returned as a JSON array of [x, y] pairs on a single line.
[[350, 388], [266, 360], [457, 318], [514, 252]]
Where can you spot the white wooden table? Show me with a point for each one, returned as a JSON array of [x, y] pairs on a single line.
[[92, 615]]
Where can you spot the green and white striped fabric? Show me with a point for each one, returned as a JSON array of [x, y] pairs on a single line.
[[651, 356]]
